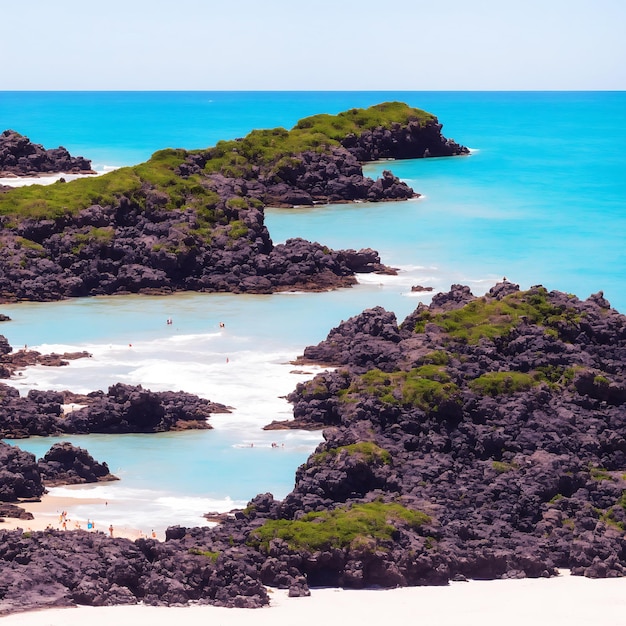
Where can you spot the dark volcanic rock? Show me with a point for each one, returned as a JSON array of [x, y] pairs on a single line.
[[132, 409], [12, 361], [20, 157], [14, 511], [325, 177], [481, 438], [19, 474], [206, 231], [65, 464], [502, 417], [123, 409], [412, 141], [367, 341], [46, 569]]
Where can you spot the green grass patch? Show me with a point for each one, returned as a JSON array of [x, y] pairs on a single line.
[[356, 121], [599, 473], [340, 527], [556, 375], [486, 318], [275, 148], [29, 244], [237, 229], [271, 150], [503, 383], [425, 387], [158, 173], [437, 357]]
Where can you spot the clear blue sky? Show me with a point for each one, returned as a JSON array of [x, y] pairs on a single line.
[[316, 45]]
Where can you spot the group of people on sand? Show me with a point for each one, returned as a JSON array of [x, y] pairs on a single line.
[[64, 522]]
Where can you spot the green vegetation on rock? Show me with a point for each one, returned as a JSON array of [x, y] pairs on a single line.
[[504, 383], [486, 318], [424, 387], [274, 150], [355, 121], [367, 450], [340, 527], [133, 183], [277, 147], [502, 467], [209, 554]]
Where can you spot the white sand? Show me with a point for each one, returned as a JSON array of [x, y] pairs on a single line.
[[47, 514], [566, 600]]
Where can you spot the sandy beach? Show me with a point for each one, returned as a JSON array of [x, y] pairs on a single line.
[[47, 514], [565, 600]]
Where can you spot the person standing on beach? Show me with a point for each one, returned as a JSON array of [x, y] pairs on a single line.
[[111, 530]]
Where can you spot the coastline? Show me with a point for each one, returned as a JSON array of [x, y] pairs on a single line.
[[47, 514], [563, 600], [542, 616]]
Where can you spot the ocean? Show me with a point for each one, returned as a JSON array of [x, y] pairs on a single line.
[[540, 200]]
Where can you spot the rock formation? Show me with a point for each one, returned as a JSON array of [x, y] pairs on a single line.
[[123, 409], [194, 220], [20, 157], [66, 464]]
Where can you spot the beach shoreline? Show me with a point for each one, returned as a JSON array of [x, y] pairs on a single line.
[[48, 514], [563, 600]]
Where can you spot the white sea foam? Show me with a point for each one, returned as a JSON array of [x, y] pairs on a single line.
[[112, 503], [23, 181]]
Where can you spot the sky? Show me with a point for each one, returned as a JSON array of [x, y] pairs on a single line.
[[314, 45]]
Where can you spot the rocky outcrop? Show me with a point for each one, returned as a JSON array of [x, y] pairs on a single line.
[[19, 475], [502, 417], [37, 413], [402, 141], [49, 569], [13, 511], [137, 255], [132, 409], [123, 409], [66, 464], [194, 220], [24, 478], [12, 361], [318, 178], [20, 157]]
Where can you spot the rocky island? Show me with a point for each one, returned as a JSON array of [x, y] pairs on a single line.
[[482, 437], [194, 220]]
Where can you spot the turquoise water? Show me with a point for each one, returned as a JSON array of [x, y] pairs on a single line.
[[541, 199]]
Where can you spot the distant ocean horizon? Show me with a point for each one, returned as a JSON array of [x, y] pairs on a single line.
[[540, 200]]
